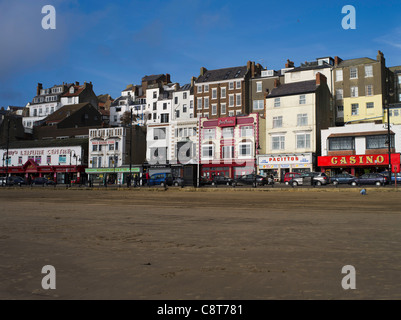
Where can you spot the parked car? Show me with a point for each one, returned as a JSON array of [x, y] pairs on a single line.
[[43, 181], [370, 178], [178, 182], [3, 181], [222, 180], [15, 181], [162, 179], [398, 175], [290, 176], [318, 178], [249, 179], [342, 178]]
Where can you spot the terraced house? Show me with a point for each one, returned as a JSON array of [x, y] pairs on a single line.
[[361, 89]]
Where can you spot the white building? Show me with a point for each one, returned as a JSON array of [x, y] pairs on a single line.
[[295, 114]]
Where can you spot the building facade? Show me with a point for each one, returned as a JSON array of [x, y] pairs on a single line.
[[295, 114], [359, 148], [228, 146]]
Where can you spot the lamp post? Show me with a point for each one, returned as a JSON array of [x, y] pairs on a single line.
[[8, 144], [255, 169], [389, 144], [69, 174], [130, 150]]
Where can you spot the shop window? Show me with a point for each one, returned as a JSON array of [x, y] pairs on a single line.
[[378, 142], [341, 143]]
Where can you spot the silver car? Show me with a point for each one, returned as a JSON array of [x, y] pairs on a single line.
[[318, 178]]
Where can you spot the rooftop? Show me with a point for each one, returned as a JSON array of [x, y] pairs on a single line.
[[289, 89], [223, 74]]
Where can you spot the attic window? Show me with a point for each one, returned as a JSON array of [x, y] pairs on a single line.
[[72, 90]]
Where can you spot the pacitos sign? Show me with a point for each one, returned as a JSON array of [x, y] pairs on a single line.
[[358, 160]]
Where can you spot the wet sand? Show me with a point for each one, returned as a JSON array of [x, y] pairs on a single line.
[[243, 245]]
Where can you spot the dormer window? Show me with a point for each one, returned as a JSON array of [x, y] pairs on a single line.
[[72, 90]]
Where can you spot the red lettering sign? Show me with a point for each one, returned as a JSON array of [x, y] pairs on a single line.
[[226, 122], [358, 160]]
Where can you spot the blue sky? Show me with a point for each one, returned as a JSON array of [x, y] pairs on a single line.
[[115, 43]]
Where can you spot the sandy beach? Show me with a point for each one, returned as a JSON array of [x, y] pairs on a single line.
[[172, 244]]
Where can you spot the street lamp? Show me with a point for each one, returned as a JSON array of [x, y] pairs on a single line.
[[69, 174], [389, 144], [257, 147]]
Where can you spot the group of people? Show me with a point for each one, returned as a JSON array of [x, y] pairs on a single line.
[[135, 180]]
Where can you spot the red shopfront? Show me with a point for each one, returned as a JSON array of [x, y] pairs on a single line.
[[59, 174], [358, 164]]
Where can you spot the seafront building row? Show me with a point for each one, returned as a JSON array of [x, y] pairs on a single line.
[[328, 115]]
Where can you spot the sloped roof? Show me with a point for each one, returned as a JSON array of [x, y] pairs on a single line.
[[77, 91], [152, 77], [65, 112], [289, 89], [223, 74], [354, 62], [48, 143]]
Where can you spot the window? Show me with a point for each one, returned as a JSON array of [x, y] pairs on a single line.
[[159, 134], [214, 109], [237, 112], [259, 86], [154, 94], [164, 118], [19, 160], [354, 92], [231, 85], [244, 149], [214, 93], [303, 141], [176, 100], [378, 142], [154, 116], [94, 147], [184, 108], [207, 151], [223, 108], [354, 109], [341, 143], [238, 84], [353, 73], [191, 104], [302, 99], [396, 113], [238, 99], [199, 104], [111, 147], [38, 159], [94, 162], [206, 88], [164, 106], [247, 131], [277, 122], [339, 94], [370, 105], [48, 159], [154, 106], [99, 162], [277, 102], [62, 159], [258, 105], [340, 109], [227, 152], [231, 100], [199, 89], [223, 92], [302, 119], [368, 71], [228, 132], [206, 103], [206, 114], [369, 90], [339, 75], [209, 133], [278, 142]]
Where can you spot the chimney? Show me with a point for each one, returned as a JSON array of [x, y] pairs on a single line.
[[276, 83], [337, 61], [253, 69], [266, 93], [203, 70], [248, 65], [168, 78], [320, 79], [289, 64], [76, 83], [38, 88], [380, 56], [193, 81]]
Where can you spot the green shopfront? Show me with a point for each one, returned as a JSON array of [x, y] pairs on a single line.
[[112, 176]]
